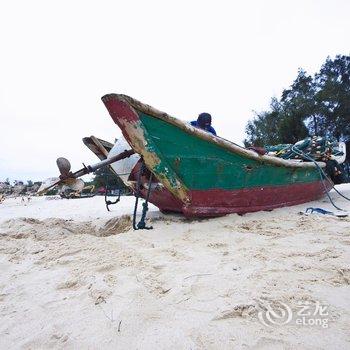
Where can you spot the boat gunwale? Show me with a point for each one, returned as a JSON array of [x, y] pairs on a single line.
[[217, 140]]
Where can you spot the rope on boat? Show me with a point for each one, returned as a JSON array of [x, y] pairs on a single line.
[[142, 223], [323, 175], [107, 201]]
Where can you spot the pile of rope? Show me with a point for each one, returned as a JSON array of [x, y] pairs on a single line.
[[313, 148]]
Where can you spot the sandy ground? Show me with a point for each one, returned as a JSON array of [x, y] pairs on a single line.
[[74, 276]]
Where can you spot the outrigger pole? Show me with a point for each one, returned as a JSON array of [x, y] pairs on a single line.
[[90, 168], [69, 178]]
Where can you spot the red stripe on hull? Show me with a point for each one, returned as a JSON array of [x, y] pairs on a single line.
[[212, 203]]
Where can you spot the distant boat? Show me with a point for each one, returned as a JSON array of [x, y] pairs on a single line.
[[202, 175]]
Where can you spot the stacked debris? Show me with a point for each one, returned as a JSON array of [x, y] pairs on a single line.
[[18, 189]]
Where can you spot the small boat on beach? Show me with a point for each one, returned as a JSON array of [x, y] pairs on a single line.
[[180, 168]]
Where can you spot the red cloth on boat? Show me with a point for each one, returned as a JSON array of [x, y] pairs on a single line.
[[260, 150]]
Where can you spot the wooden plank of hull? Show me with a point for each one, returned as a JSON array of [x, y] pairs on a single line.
[[98, 146], [211, 203], [220, 202]]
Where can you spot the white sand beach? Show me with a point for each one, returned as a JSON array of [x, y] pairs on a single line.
[[74, 276]]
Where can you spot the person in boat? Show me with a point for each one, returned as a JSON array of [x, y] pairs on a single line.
[[204, 122]]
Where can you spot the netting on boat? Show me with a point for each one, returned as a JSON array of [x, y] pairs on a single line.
[[315, 147]]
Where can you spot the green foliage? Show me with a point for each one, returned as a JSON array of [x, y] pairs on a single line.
[[51, 192], [104, 176], [333, 95], [313, 105], [264, 129]]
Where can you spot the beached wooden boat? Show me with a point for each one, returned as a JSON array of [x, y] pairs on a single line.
[[202, 175]]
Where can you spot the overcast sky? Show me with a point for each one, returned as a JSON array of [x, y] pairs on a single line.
[[227, 58]]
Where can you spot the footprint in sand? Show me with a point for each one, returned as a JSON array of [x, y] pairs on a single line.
[[110, 280], [69, 284]]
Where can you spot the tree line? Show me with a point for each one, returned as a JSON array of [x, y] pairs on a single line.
[[316, 104]]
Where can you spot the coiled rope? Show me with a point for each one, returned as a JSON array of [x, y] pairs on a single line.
[[323, 176]]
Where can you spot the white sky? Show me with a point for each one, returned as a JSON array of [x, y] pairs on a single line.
[[227, 58]]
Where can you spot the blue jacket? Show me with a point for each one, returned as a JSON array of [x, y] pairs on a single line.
[[209, 128]]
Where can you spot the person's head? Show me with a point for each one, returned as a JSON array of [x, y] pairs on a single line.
[[204, 120]]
